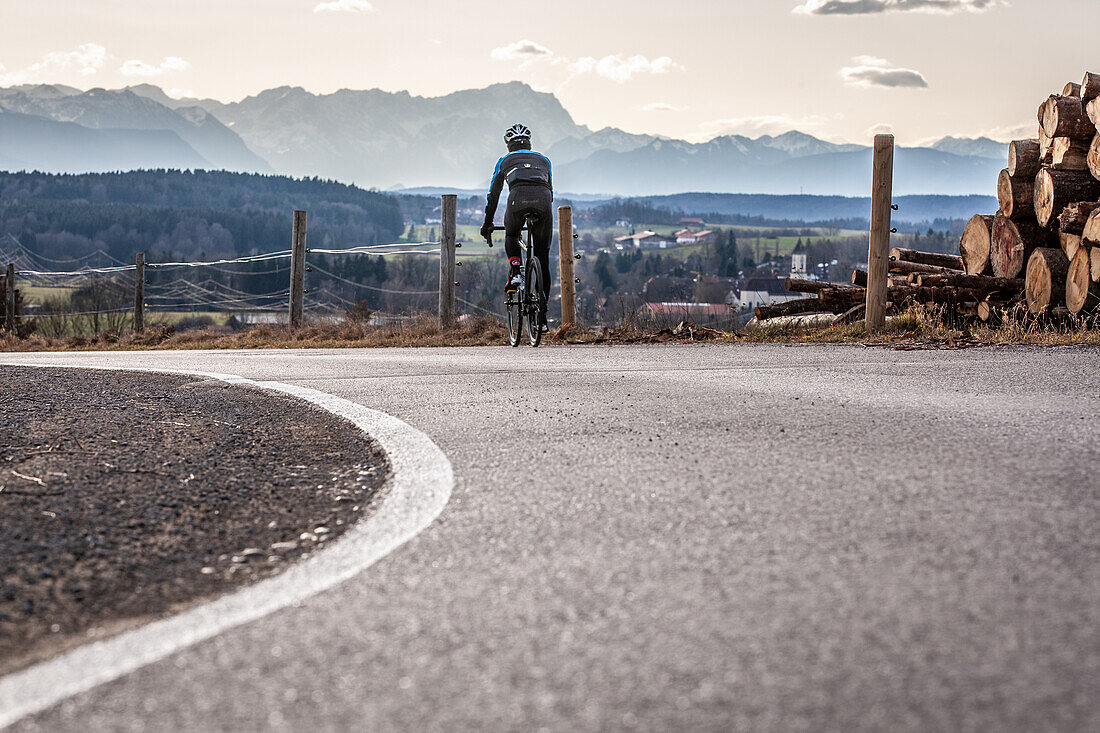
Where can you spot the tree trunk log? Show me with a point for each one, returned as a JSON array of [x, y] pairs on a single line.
[[1070, 243], [1013, 242], [789, 308], [974, 245], [1090, 235], [801, 285], [1082, 294], [1045, 285], [1073, 218], [1068, 154], [905, 268], [910, 295], [1023, 158], [1071, 89], [1066, 117], [1093, 159], [1090, 87], [1094, 264], [1015, 195], [859, 277], [935, 259], [1055, 190], [1092, 109], [989, 311], [972, 282], [1046, 148]]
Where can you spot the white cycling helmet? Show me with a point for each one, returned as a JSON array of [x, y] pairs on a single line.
[[517, 133]]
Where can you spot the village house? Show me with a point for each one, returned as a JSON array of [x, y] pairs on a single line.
[[643, 240], [764, 291], [687, 236]]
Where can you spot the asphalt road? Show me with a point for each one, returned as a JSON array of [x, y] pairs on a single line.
[[703, 538]]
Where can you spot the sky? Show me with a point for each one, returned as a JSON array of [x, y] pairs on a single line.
[[838, 69]]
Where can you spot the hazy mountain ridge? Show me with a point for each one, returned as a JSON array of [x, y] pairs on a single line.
[[30, 142], [100, 109], [375, 138]]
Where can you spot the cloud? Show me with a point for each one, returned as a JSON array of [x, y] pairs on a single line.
[[624, 68], [87, 59], [134, 67], [875, 72], [662, 107], [520, 50], [869, 7], [344, 6], [619, 68], [760, 125]]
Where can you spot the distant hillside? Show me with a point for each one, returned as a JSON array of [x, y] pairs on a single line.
[[800, 208], [28, 142], [190, 214]]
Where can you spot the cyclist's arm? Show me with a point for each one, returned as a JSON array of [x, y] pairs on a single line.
[[495, 189]]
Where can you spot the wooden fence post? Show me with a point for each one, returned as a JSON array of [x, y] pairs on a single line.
[[297, 269], [565, 266], [9, 281], [139, 292], [448, 229], [878, 251]]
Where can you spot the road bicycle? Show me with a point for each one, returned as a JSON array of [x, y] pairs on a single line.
[[526, 306]]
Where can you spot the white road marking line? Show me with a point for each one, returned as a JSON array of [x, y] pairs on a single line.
[[415, 495]]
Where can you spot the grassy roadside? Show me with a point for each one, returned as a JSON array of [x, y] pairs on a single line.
[[919, 327]]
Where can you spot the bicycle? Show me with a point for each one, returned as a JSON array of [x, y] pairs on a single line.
[[528, 303]]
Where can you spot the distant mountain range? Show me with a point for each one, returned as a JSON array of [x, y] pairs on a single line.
[[395, 140]]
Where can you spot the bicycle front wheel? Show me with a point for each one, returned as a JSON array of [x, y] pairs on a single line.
[[535, 306]]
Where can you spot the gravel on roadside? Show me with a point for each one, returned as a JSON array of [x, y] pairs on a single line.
[[128, 496]]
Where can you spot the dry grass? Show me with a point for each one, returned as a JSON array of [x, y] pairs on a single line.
[[421, 330], [916, 328], [930, 327]]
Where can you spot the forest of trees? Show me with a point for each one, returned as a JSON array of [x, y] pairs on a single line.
[[185, 214]]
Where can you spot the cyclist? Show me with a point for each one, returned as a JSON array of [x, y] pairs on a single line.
[[530, 192]]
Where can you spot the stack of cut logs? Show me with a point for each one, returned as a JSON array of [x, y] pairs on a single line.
[[1042, 247]]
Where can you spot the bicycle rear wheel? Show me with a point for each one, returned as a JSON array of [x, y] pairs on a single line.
[[533, 301], [513, 305]]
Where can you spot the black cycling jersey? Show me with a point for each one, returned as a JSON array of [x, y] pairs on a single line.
[[518, 168]]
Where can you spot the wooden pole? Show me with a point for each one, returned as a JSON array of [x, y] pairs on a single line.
[[565, 262], [297, 269], [878, 265], [10, 283], [448, 229], [139, 292]]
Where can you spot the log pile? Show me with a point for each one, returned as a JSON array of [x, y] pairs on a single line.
[[916, 278], [1047, 228], [1042, 247]]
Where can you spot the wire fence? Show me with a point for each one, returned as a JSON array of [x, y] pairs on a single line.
[[93, 291]]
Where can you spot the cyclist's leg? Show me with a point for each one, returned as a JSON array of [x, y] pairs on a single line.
[[513, 225], [543, 236]]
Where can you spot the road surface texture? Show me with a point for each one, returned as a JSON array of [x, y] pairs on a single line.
[[703, 538], [127, 496]]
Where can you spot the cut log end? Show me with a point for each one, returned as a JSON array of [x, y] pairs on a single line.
[[1014, 195], [1045, 284], [1090, 87], [1082, 294], [974, 245], [1055, 190], [1094, 264], [1011, 243], [1023, 158]]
